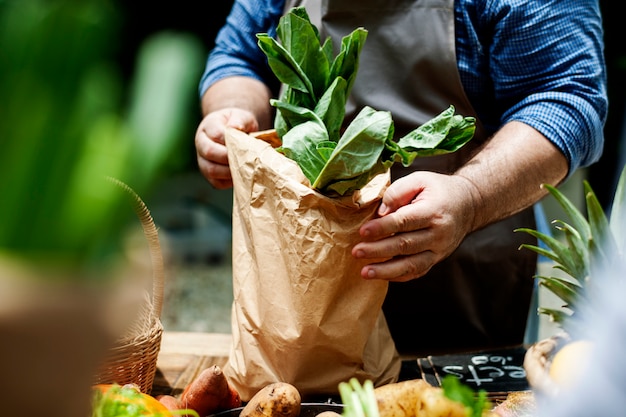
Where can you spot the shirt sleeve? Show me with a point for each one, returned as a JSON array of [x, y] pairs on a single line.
[[548, 68], [236, 52]]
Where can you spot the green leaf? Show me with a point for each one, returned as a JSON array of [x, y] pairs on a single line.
[[605, 246], [316, 83], [562, 288], [294, 98], [559, 252], [346, 64], [294, 115], [559, 317], [359, 148], [442, 134], [475, 403], [326, 149], [578, 263], [286, 69], [301, 39], [300, 145], [618, 213], [344, 187], [394, 153], [579, 222], [331, 107]]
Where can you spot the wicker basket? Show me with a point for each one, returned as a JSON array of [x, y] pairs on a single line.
[[133, 358], [537, 363]]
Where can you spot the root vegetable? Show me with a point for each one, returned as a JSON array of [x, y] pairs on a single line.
[[169, 401], [279, 399], [210, 393], [415, 398], [328, 414]]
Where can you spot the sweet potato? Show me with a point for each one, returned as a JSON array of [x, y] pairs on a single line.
[[279, 399], [169, 401], [415, 398], [210, 393]]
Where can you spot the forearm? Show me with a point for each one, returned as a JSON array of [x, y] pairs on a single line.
[[505, 177], [240, 92]]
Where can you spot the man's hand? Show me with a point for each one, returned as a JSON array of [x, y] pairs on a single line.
[[210, 144], [239, 102], [425, 216], [423, 219]]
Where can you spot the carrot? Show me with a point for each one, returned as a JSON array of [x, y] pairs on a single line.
[[209, 393]]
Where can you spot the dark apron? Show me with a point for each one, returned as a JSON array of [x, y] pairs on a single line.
[[479, 297]]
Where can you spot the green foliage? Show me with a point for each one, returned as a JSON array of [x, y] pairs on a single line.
[[476, 403], [127, 401], [590, 243], [311, 112], [69, 121]]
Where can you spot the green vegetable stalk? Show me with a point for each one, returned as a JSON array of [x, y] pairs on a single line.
[[360, 400], [311, 111]]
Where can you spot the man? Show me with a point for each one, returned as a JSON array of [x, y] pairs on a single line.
[[533, 75]]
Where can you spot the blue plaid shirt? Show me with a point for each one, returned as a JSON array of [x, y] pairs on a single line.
[[538, 62]]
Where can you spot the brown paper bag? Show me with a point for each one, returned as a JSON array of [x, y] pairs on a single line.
[[301, 313]]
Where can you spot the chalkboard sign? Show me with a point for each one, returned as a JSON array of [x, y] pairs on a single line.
[[498, 372]]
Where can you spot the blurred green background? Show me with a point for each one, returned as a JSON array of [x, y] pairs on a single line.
[[89, 91]]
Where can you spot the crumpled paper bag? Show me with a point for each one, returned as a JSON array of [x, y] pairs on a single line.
[[301, 312]]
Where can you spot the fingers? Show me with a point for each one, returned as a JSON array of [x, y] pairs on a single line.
[[406, 255], [242, 120], [212, 157], [399, 194], [424, 219], [211, 152], [401, 269]]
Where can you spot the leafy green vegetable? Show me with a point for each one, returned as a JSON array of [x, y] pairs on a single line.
[[475, 402], [127, 401], [311, 112], [305, 66]]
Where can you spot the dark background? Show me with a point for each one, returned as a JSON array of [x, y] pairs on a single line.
[[204, 18]]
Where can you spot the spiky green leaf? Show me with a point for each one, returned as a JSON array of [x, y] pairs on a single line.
[[618, 213], [579, 222]]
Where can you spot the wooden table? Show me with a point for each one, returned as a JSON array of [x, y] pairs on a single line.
[[184, 355]]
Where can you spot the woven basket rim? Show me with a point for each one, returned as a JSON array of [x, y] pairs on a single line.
[[132, 360]]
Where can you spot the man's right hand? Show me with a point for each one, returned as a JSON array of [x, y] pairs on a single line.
[[210, 144]]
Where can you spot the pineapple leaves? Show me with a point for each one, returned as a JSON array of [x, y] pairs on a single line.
[[311, 112], [579, 221], [557, 316], [589, 246], [618, 213], [566, 258], [564, 289]]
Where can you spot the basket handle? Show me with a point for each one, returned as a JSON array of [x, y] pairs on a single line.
[[151, 233]]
